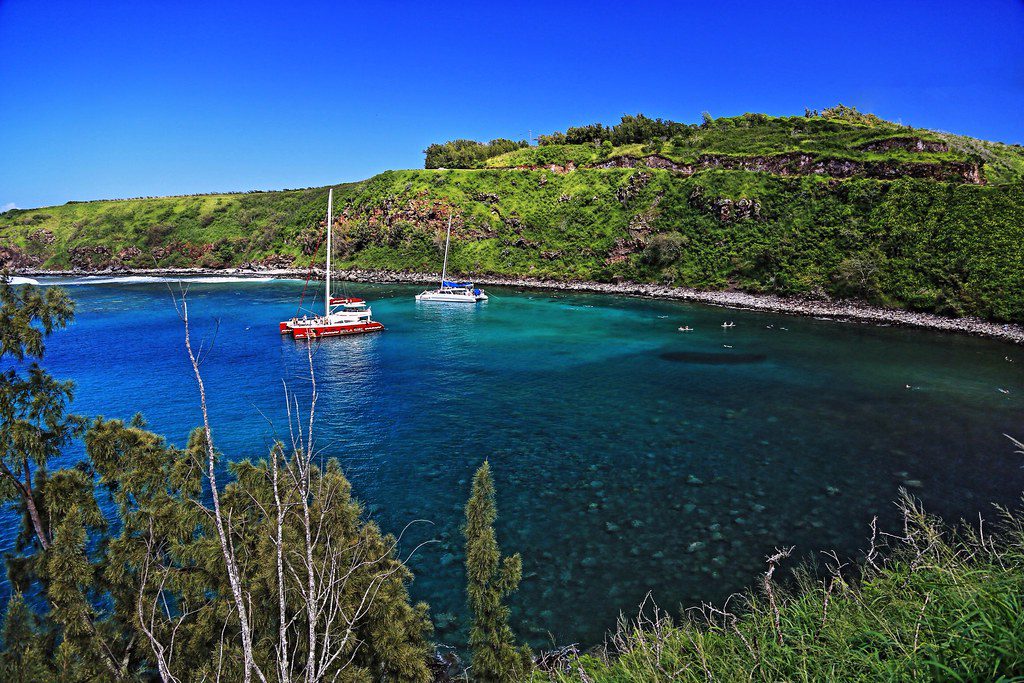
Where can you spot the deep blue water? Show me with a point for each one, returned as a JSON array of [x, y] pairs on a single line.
[[628, 457]]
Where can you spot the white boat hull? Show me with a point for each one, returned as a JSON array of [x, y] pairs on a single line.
[[446, 297]]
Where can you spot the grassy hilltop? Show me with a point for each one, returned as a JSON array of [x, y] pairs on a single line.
[[838, 204]]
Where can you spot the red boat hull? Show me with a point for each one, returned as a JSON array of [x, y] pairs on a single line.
[[315, 332]]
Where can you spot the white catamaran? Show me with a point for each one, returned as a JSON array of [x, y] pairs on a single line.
[[458, 292]]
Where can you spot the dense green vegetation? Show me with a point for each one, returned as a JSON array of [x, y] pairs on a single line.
[[198, 230], [780, 226], [467, 153]]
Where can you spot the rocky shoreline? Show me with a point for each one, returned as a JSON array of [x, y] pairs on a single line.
[[837, 310]]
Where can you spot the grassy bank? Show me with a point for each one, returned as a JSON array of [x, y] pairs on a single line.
[[931, 603]]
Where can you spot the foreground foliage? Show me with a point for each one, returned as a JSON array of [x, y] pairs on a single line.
[[489, 579], [193, 569], [933, 604]]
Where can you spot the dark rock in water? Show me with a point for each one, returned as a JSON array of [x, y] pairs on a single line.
[[704, 358]]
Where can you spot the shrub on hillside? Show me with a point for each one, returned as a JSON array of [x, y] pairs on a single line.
[[844, 113], [663, 249], [158, 234], [857, 277]]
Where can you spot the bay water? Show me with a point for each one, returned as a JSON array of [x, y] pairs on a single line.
[[629, 458]]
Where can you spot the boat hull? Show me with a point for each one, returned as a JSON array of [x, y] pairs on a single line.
[[451, 298], [318, 331]]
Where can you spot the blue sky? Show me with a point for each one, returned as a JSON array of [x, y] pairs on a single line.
[[107, 99]]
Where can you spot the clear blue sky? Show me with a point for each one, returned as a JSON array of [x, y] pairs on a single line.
[[118, 99]]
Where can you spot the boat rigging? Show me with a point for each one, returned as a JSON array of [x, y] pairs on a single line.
[[342, 315], [455, 292]]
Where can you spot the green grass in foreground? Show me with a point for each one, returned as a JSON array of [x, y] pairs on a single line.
[[936, 604]]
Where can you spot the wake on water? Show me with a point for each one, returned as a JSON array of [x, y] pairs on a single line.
[[144, 279]]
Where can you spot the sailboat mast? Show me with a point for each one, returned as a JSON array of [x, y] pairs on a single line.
[[327, 284], [447, 241]]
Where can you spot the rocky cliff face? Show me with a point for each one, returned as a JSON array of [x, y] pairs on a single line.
[[908, 144], [793, 164], [554, 168]]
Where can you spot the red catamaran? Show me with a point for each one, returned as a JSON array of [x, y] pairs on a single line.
[[342, 315]]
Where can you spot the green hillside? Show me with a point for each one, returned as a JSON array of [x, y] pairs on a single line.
[[753, 134], [840, 134], [843, 205]]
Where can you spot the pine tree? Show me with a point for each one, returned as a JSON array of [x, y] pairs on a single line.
[[34, 423], [366, 627], [21, 659], [35, 427], [490, 579]]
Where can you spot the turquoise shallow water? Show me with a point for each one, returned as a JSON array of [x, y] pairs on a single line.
[[628, 457]]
